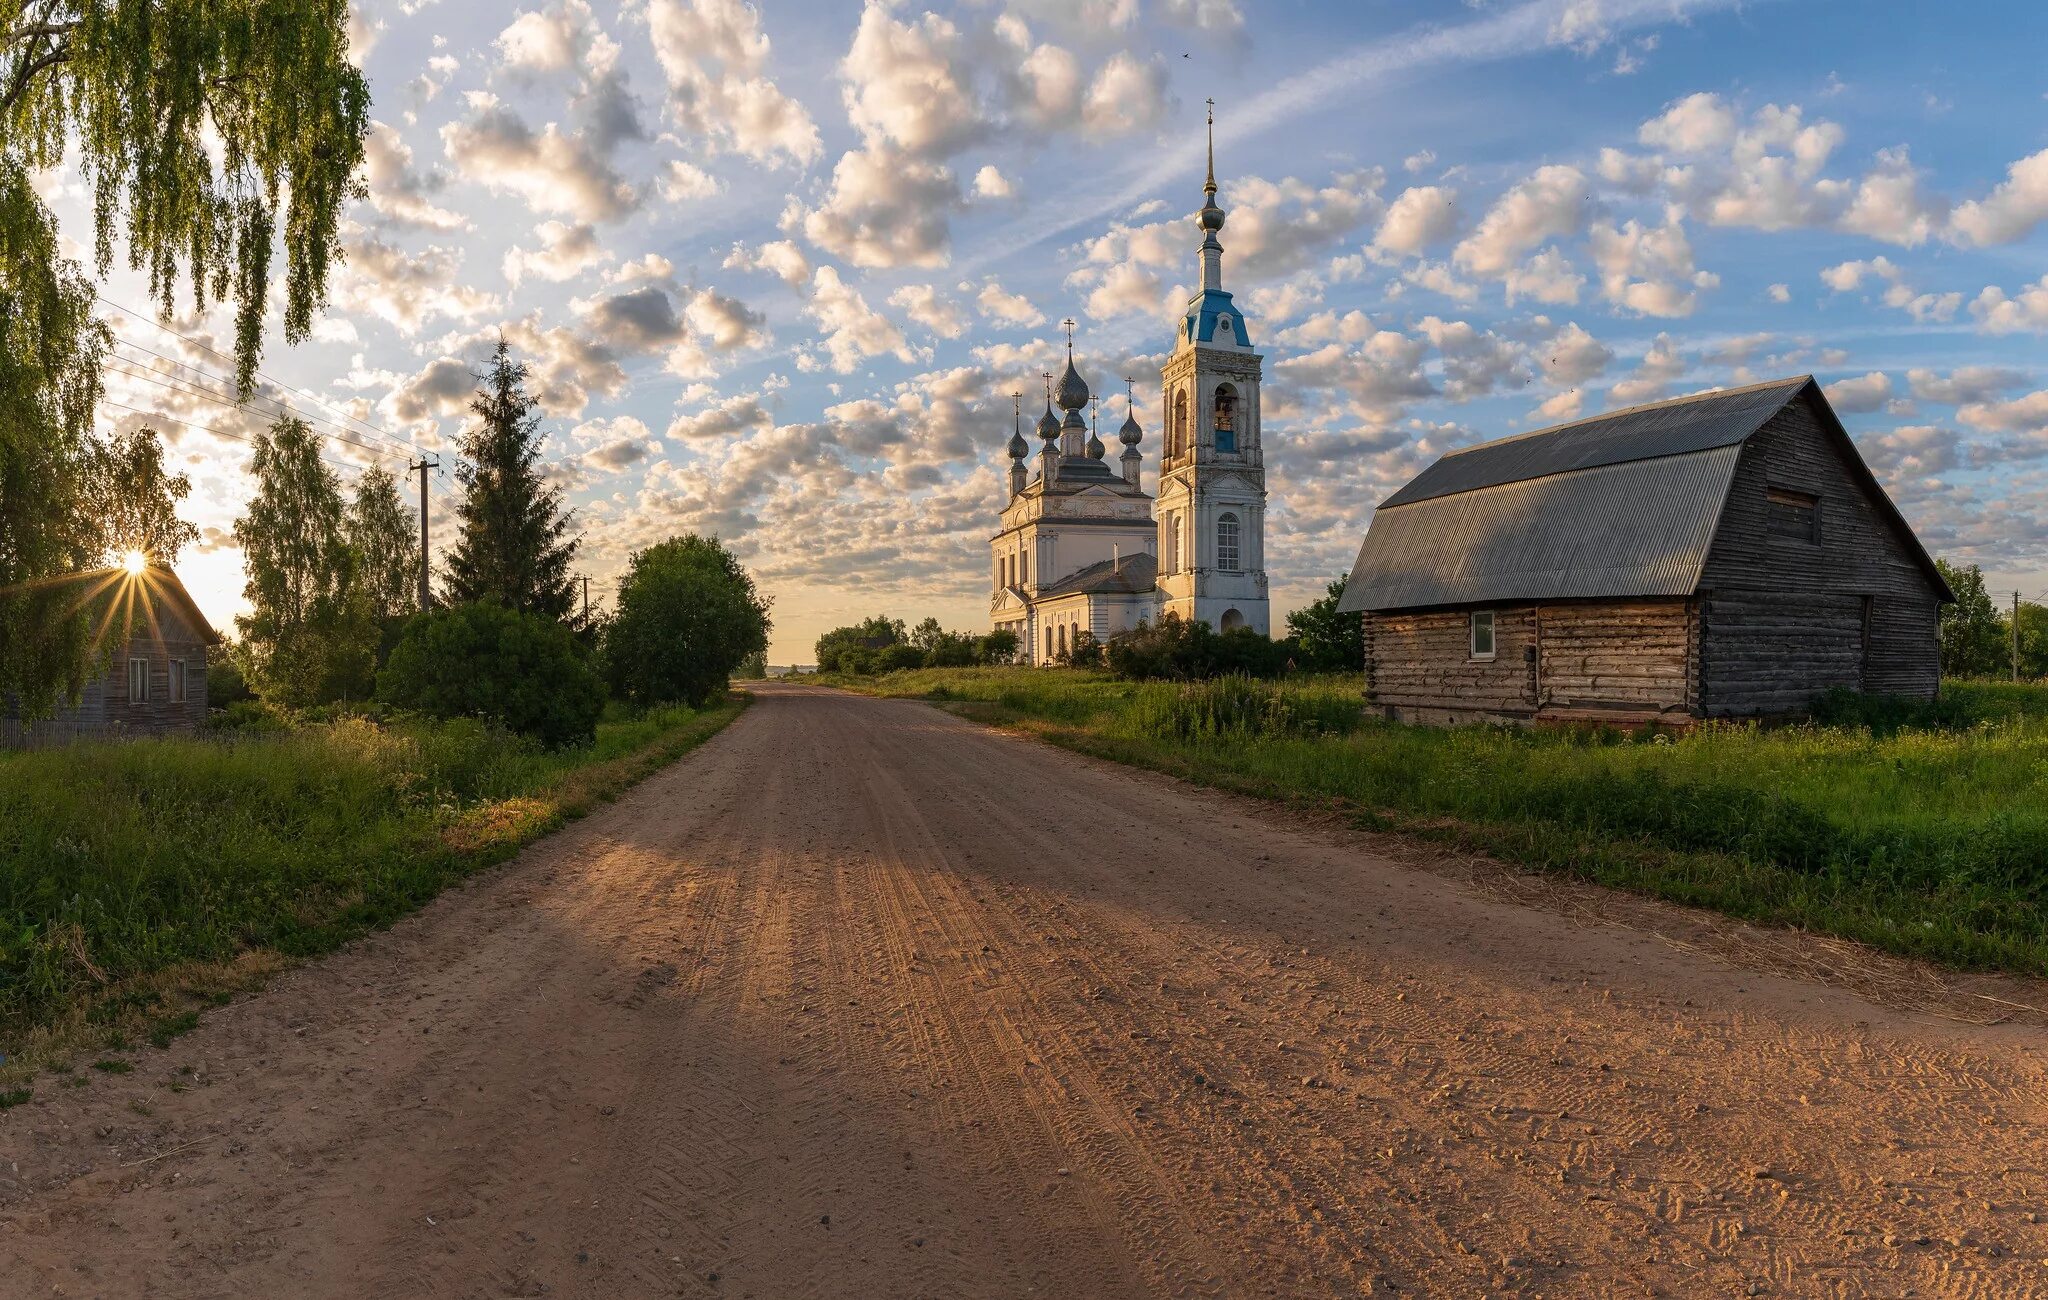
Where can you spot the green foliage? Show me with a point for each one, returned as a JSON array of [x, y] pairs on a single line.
[[385, 533], [207, 130], [1325, 640], [134, 502], [1182, 649], [117, 860], [998, 647], [1972, 636], [688, 616], [1924, 840], [310, 636], [481, 660], [227, 677], [513, 544], [1886, 715], [753, 668], [847, 649], [50, 352]]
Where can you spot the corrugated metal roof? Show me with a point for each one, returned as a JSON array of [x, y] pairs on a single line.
[[1636, 529], [1674, 428]]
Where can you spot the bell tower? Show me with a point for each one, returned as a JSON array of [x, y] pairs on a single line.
[[1212, 479]]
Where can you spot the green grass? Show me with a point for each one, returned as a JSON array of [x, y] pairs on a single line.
[[144, 880], [1929, 841]]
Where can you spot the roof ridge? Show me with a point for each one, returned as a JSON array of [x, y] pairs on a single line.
[[1792, 381]]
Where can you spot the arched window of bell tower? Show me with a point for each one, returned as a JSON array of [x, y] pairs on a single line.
[[1177, 444], [1226, 417]]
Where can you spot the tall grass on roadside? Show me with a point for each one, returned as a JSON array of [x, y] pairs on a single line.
[[120, 860], [1925, 839]]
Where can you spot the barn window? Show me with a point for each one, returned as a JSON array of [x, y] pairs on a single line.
[[1226, 543], [176, 682], [1792, 514], [1482, 634], [138, 681], [1226, 418]]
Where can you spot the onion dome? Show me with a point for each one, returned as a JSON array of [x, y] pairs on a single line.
[[1073, 391], [1018, 449], [1095, 447], [1048, 424], [1074, 422], [1130, 435]]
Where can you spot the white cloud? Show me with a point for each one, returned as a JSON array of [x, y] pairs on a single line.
[[1963, 385], [779, 257], [406, 290], [1572, 356], [1551, 204], [2009, 212], [884, 209], [853, 330], [565, 252], [1128, 95], [681, 181], [1779, 293], [999, 304], [1649, 269], [990, 183], [2025, 312], [926, 306], [715, 55], [1660, 368], [551, 171], [1861, 396], [1421, 216], [1548, 277], [398, 191]]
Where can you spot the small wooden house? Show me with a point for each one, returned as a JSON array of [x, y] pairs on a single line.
[[1723, 555], [156, 682]]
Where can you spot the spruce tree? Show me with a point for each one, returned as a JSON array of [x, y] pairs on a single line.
[[513, 546]]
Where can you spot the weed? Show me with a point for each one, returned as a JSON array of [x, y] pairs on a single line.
[[111, 1066], [16, 1097], [164, 1031]]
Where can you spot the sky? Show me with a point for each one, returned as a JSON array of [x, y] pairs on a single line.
[[778, 268]]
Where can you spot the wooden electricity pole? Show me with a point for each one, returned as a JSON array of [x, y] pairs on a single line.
[[420, 467], [2015, 636]]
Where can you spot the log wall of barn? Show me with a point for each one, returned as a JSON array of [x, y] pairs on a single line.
[[1633, 659], [1784, 618]]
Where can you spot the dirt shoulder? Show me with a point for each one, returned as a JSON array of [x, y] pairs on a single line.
[[863, 999]]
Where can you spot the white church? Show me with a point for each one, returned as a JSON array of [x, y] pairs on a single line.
[[1084, 548]]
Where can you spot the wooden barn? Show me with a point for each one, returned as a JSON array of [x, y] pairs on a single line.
[[155, 683], [1723, 555]]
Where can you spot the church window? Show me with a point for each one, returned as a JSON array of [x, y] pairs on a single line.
[[1173, 543], [1226, 543], [1226, 418], [1063, 640], [1048, 643], [1177, 443]]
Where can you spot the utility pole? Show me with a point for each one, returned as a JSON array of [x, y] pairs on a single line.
[[2015, 636], [584, 578], [420, 467]]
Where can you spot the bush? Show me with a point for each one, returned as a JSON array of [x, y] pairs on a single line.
[[1886, 715], [482, 660], [687, 617], [1175, 648], [998, 647], [895, 659], [849, 649], [1236, 707]]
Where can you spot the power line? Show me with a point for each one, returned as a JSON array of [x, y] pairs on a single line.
[[218, 433], [151, 320], [172, 384], [227, 391]]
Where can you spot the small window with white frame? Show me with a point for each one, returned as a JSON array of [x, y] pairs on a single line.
[[176, 682], [138, 681], [1482, 634]]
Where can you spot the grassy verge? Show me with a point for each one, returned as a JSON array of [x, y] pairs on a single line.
[[142, 881], [1926, 842]]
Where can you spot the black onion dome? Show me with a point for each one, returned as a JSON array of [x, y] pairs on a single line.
[[1048, 424], [1018, 449], [1210, 217], [1130, 435], [1095, 447], [1072, 392]]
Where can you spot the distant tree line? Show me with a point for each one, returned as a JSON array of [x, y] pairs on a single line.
[[1976, 631], [333, 588], [1319, 640]]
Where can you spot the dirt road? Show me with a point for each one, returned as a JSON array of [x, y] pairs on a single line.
[[864, 1000]]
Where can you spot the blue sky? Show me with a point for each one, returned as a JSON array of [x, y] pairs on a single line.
[[779, 266]]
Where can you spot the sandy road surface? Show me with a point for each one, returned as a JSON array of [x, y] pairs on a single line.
[[863, 1000]]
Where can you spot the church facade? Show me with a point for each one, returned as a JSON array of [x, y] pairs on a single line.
[[1084, 548]]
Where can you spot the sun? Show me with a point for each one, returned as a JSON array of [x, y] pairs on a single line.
[[134, 562]]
